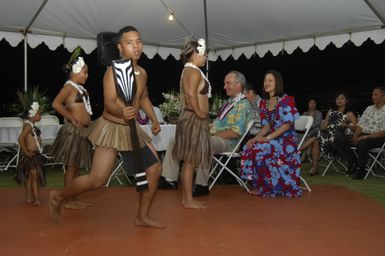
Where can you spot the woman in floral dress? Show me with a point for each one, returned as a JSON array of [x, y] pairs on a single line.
[[271, 160], [337, 121]]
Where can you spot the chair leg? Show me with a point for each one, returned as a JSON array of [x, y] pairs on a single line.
[[305, 183], [114, 175], [372, 165], [327, 167], [224, 167]]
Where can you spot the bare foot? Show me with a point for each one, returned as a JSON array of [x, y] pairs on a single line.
[[195, 201], [84, 203], [194, 205], [147, 222], [37, 202], [54, 207], [74, 205]]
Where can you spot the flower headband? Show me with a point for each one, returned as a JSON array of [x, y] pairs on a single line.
[[201, 47], [34, 108], [78, 65]]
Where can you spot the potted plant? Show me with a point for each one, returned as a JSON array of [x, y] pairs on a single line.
[[216, 104], [172, 107]]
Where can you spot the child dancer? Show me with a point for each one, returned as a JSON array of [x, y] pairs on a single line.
[[111, 133], [73, 103], [30, 170]]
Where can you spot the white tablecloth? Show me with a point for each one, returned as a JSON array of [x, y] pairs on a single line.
[[161, 140]]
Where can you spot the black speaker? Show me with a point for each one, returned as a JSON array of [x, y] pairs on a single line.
[[107, 50]]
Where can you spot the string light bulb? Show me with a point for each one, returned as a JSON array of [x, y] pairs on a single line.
[[171, 17]]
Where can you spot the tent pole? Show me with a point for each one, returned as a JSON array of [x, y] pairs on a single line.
[[206, 37], [25, 63], [25, 32]]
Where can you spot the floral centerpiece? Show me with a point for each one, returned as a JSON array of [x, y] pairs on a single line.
[[216, 104], [172, 107]]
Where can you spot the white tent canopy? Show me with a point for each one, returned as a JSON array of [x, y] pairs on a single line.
[[231, 27]]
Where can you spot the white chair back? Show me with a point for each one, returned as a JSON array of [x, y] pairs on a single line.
[[248, 127], [303, 124]]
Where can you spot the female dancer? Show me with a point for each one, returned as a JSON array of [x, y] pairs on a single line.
[[71, 147], [192, 138]]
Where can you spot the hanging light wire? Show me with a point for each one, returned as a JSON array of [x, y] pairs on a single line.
[[173, 17]]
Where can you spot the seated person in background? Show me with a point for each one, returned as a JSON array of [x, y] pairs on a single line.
[[337, 120], [143, 119], [226, 131], [368, 133], [252, 96], [316, 114], [317, 120], [270, 160]]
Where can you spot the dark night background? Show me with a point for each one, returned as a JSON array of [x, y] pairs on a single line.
[[315, 74]]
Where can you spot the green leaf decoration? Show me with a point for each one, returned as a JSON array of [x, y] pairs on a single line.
[[74, 55]]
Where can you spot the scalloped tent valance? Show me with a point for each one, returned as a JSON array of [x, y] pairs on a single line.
[[230, 27]]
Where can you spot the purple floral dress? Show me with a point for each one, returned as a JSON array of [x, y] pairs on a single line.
[[273, 167]]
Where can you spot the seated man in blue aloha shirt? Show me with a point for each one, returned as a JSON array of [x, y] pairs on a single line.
[[226, 132]]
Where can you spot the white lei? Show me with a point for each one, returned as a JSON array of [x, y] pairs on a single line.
[[229, 105], [189, 64], [86, 98], [39, 147]]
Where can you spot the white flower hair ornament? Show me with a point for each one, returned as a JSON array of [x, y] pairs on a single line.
[[201, 47], [34, 108], [78, 65]]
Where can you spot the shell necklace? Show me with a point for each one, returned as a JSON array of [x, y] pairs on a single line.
[[86, 97], [39, 147], [191, 65], [271, 114]]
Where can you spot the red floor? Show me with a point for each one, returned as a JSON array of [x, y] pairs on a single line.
[[330, 220]]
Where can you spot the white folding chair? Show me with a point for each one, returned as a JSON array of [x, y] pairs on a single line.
[[49, 126], [229, 155], [303, 124], [10, 129], [117, 171], [332, 162], [375, 159]]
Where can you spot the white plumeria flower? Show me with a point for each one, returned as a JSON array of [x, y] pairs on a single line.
[[201, 46], [34, 108], [78, 65]]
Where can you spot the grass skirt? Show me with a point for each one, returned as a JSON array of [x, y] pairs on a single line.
[[71, 147], [108, 134], [192, 140], [26, 164]]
